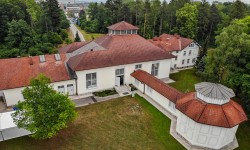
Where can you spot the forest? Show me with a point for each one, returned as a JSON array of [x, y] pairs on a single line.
[[30, 28]]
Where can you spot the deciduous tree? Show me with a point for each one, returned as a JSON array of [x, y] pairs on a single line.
[[44, 111]]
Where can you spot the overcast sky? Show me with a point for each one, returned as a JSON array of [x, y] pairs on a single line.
[[245, 1]]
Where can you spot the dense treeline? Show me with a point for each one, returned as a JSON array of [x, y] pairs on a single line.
[[198, 20], [30, 28]]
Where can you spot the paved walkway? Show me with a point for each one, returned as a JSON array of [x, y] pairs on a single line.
[[173, 132], [74, 29], [84, 101]]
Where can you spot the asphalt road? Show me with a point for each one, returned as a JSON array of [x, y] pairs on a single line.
[[74, 30]]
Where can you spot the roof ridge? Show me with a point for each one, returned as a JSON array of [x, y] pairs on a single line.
[[225, 115]]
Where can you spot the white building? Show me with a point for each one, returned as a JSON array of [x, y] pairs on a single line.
[[207, 117], [186, 50], [108, 61], [17, 72]]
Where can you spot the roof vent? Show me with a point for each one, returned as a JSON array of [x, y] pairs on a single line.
[[42, 58], [91, 49], [57, 57]]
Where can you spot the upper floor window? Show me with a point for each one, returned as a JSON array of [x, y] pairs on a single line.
[[184, 53], [123, 31], [190, 52], [191, 45], [138, 66], [155, 69], [119, 72], [91, 80]]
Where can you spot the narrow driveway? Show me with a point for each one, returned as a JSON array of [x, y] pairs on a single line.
[[74, 30]]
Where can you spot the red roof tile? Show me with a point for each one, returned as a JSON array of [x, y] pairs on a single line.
[[165, 90], [227, 115], [122, 26], [121, 49], [17, 72], [171, 42], [71, 47]]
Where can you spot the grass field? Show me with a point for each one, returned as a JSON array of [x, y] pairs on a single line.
[[89, 36], [185, 81], [123, 123]]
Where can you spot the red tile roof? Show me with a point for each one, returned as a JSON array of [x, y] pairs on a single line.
[[165, 90], [122, 26], [71, 47], [121, 49], [227, 115], [17, 72], [171, 42]]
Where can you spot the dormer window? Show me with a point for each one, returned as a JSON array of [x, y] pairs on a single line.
[[42, 58]]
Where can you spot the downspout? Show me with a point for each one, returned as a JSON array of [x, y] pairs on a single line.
[[76, 86], [144, 88]]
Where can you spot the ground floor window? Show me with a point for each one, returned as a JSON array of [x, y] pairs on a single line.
[[137, 82], [155, 69], [193, 61], [61, 89], [183, 61], [188, 61], [175, 66], [91, 80], [149, 90]]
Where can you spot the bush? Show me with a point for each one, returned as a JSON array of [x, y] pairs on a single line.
[[68, 41], [105, 93], [64, 34]]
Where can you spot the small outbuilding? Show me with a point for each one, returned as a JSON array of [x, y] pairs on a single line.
[[207, 117]]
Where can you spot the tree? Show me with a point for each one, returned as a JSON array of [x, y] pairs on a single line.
[[229, 63], [77, 38], [53, 12], [44, 111], [19, 35], [238, 10], [187, 20]]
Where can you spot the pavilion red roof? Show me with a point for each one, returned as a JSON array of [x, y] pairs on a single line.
[[123, 25], [227, 115]]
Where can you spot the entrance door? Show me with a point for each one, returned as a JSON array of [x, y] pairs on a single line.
[[70, 89], [117, 81]]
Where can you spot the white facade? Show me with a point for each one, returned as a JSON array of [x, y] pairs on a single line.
[[186, 57], [204, 135], [12, 96], [161, 100], [106, 77]]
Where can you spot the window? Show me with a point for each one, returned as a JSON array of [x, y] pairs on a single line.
[[191, 45], [134, 31], [190, 52], [183, 61], [175, 66], [61, 89], [155, 69], [177, 52], [70, 89], [129, 31], [193, 61], [117, 32], [176, 58], [188, 61], [91, 80], [137, 82], [123, 31], [119, 72], [184, 53], [139, 66], [149, 89]]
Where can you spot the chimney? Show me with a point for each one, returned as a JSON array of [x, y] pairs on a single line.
[[91, 50], [31, 60]]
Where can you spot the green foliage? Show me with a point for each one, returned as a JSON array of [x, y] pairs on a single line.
[[229, 62], [64, 34], [44, 111], [77, 38], [238, 10], [187, 20], [105, 93], [68, 41]]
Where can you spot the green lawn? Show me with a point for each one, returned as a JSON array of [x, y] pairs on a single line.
[[185, 80], [123, 123], [89, 36]]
